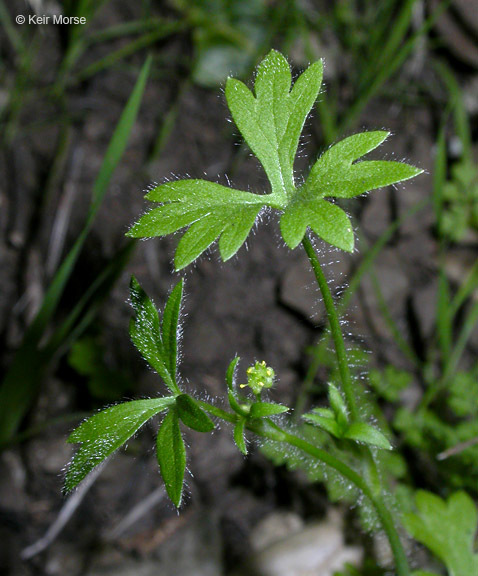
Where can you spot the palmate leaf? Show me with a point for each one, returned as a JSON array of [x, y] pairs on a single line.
[[105, 432], [271, 120]]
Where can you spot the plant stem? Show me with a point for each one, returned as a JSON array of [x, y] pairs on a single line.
[[334, 328], [274, 432], [270, 430]]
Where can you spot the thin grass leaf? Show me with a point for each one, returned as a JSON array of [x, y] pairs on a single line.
[[444, 320], [171, 454], [86, 308], [105, 432], [24, 377], [462, 121]]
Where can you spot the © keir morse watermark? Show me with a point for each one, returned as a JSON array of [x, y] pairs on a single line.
[[49, 19]]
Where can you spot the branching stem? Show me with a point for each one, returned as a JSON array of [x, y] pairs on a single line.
[[270, 430]]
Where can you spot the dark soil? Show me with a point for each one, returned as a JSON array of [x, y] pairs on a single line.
[[261, 305]]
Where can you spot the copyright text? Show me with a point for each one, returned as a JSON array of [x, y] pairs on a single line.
[[53, 19]]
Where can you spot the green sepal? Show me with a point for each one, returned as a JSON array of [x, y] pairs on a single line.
[[239, 436], [265, 409], [192, 415], [234, 402], [230, 373], [171, 455], [105, 432]]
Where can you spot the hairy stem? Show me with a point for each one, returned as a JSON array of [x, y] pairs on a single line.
[[334, 328], [274, 432], [268, 429]]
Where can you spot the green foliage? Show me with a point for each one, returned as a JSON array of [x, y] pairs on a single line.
[[87, 358], [336, 423], [192, 415], [227, 36], [104, 433], [171, 454], [463, 393], [155, 340], [460, 198], [24, 377], [389, 383], [447, 528], [271, 121]]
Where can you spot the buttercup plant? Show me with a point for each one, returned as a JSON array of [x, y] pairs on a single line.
[[271, 120]]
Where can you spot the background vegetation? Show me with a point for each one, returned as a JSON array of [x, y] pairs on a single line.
[[92, 114]]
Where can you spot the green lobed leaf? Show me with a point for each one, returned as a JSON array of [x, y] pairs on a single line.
[[169, 328], [239, 437], [272, 121], [265, 409], [145, 333], [192, 414], [363, 432], [447, 528], [105, 432], [210, 210], [327, 220], [334, 174], [171, 454]]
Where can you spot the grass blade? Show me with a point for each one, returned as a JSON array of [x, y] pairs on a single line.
[[24, 377]]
